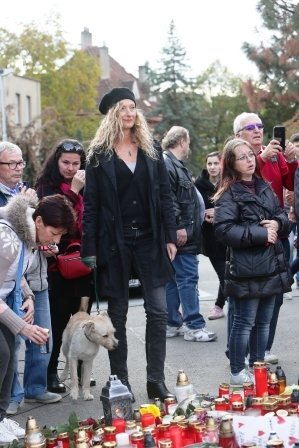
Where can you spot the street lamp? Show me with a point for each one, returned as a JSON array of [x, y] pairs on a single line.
[[3, 72]]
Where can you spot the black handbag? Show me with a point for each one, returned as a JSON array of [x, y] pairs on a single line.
[[253, 262]]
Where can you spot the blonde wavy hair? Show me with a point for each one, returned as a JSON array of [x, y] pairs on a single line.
[[110, 133]]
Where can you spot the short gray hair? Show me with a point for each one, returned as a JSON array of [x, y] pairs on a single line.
[[238, 121], [7, 146], [174, 136]]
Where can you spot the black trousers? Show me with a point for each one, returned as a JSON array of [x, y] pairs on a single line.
[[7, 351], [138, 249], [65, 297], [219, 267]]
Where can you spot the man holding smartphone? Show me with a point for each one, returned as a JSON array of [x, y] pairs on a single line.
[[278, 166]]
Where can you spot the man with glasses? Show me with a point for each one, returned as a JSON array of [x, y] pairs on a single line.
[[278, 167], [36, 363], [11, 170]]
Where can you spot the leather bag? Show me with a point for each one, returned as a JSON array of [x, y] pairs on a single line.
[[253, 262], [70, 265]]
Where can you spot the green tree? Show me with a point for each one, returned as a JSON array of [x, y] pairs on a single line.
[[72, 92], [206, 106], [222, 91], [277, 61], [33, 52], [69, 81], [177, 102]]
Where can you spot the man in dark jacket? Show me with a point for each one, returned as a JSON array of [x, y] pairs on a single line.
[[189, 211]]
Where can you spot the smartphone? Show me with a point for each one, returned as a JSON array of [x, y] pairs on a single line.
[[26, 184], [279, 133]]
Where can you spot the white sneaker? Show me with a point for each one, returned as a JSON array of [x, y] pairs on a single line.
[[199, 335], [270, 358], [14, 428], [245, 376], [287, 296], [5, 435], [171, 332]]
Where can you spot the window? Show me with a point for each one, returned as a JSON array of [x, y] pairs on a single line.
[[28, 110], [18, 109]]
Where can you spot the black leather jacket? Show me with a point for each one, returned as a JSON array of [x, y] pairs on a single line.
[[237, 218], [186, 203]]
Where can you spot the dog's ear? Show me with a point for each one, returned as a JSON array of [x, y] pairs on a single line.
[[89, 325], [103, 313]]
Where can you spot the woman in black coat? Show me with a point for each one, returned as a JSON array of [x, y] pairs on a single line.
[[249, 219], [129, 224], [211, 247]]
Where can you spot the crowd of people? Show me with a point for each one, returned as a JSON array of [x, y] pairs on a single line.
[[133, 206]]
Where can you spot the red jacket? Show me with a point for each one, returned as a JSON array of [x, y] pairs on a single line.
[[279, 173]]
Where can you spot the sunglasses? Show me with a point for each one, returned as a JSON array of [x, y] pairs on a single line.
[[251, 127], [69, 146]]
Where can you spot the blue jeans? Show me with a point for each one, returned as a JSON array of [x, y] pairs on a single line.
[[36, 362], [184, 291], [251, 323]]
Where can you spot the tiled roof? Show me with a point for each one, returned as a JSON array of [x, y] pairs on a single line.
[[119, 77]]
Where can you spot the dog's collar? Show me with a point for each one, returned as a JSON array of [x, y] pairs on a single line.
[[87, 337]]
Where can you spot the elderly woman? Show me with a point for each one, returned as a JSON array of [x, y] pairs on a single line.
[[24, 225]]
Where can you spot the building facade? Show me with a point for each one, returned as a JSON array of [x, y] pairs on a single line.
[[20, 104]]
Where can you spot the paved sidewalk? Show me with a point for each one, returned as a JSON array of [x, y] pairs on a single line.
[[204, 363]]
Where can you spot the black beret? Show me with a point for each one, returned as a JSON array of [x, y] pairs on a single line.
[[113, 97]]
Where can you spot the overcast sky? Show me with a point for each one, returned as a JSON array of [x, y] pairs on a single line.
[[135, 31]]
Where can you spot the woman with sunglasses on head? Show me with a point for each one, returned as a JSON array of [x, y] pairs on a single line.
[[249, 220], [278, 167], [129, 223], [63, 172]]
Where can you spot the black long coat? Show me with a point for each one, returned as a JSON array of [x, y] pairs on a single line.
[[102, 224]]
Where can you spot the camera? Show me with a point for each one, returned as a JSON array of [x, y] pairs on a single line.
[[279, 133]]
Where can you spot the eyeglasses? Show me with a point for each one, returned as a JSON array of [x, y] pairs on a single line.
[[69, 146], [251, 127], [248, 157], [13, 165]]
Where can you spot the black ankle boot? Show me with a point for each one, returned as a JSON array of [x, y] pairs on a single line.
[[158, 390], [54, 385], [125, 382]]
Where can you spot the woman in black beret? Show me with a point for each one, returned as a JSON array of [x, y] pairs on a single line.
[[129, 224]]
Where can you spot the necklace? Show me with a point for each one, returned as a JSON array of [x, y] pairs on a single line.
[[129, 151]]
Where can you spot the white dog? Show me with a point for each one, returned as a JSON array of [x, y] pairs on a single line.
[[81, 339]]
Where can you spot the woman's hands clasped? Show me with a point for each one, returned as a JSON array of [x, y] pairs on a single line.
[[272, 228]]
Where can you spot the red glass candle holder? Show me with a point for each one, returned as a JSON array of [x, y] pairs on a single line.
[[261, 379]]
